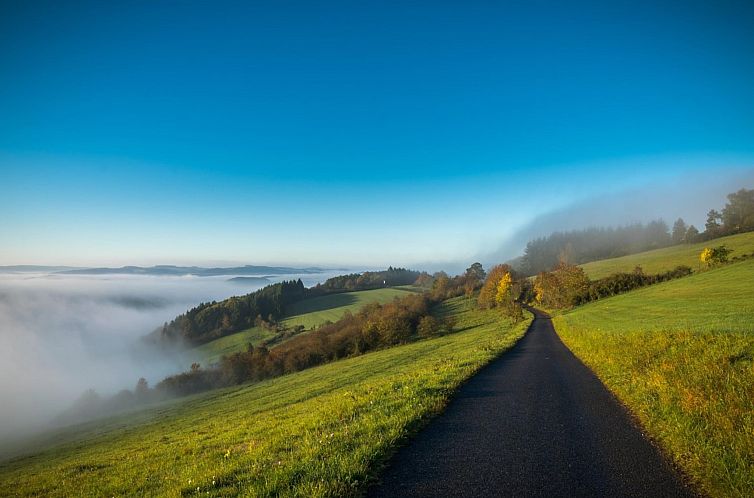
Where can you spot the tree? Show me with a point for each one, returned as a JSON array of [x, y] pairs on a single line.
[[142, 389], [424, 280], [476, 271], [657, 234], [561, 287], [488, 292], [503, 291], [428, 326], [692, 235], [440, 285], [738, 213], [679, 231], [712, 227]]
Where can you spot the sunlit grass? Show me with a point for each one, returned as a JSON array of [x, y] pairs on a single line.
[[661, 260], [315, 311], [320, 432], [211, 352], [680, 355]]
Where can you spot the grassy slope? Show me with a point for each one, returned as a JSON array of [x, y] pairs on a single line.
[[669, 257], [315, 311], [680, 355], [320, 432], [309, 313], [211, 352]]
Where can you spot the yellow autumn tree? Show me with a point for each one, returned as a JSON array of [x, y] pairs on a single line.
[[503, 288], [488, 292]]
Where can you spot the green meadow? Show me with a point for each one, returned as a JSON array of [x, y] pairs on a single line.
[[211, 352], [320, 432], [308, 313], [315, 311], [667, 258], [680, 355]]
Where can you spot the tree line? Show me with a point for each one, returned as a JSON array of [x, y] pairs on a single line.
[[568, 285], [596, 243]]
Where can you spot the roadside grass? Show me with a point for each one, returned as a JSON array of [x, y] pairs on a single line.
[[325, 431], [309, 313], [667, 258], [680, 355]]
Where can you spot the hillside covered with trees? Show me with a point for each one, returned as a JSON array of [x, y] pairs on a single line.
[[212, 320], [596, 243]]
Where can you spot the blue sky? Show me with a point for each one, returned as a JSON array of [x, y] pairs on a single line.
[[351, 132]]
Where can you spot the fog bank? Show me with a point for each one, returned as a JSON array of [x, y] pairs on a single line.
[[63, 334], [690, 198]]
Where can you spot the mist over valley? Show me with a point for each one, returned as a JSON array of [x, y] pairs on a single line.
[[65, 333]]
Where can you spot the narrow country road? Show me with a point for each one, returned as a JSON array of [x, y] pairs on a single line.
[[536, 422]]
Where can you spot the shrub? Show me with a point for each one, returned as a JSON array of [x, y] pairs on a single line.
[[428, 326], [715, 255], [561, 287], [619, 283]]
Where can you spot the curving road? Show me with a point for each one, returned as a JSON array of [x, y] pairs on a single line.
[[535, 422]]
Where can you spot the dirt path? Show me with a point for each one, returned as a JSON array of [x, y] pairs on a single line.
[[536, 422]]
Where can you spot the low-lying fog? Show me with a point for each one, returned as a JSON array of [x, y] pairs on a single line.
[[63, 334]]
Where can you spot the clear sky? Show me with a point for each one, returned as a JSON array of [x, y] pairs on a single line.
[[350, 132]]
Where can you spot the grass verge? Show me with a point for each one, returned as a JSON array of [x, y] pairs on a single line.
[[680, 355]]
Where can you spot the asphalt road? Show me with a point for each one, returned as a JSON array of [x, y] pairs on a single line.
[[535, 422]]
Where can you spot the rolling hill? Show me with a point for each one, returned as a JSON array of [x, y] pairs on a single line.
[[308, 313], [320, 432]]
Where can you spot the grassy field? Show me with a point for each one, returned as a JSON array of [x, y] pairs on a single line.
[[668, 258], [315, 311], [209, 353], [320, 432], [309, 313], [680, 355]]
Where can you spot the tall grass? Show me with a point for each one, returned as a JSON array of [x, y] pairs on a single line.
[[320, 432], [680, 355]]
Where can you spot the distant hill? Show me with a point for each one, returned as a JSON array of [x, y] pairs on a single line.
[[170, 270], [250, 280], [36, 269]]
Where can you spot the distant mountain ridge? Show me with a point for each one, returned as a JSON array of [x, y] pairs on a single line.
[[168, 270], [195, 270], [35, 268]]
